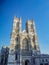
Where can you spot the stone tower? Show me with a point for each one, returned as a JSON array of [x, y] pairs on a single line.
[[14, 51], [24, 48], [23, 44], [31, 31], [16, 30]]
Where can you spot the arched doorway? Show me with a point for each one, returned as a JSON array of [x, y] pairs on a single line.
[[27, 62]]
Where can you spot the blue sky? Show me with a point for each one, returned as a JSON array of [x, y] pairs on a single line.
[[27, 9]]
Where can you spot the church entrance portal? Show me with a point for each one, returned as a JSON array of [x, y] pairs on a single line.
[[27, 62]]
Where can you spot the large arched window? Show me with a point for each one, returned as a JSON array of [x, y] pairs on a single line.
[[17, 42], [17, 39], [25, 44]]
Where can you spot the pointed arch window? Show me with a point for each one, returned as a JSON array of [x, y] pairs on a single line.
[[17, 27], [25, 44], [17, 39]]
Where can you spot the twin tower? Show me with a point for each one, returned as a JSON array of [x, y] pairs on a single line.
[[26, 40]]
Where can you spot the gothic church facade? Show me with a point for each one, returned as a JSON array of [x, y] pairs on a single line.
[[24, 47]]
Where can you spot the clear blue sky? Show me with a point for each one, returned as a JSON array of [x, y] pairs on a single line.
[[32, 9]]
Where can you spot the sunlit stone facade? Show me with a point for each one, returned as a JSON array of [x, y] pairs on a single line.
[[24, 48]]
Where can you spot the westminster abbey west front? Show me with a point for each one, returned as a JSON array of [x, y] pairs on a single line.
[[23, 43], [24, 48]]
